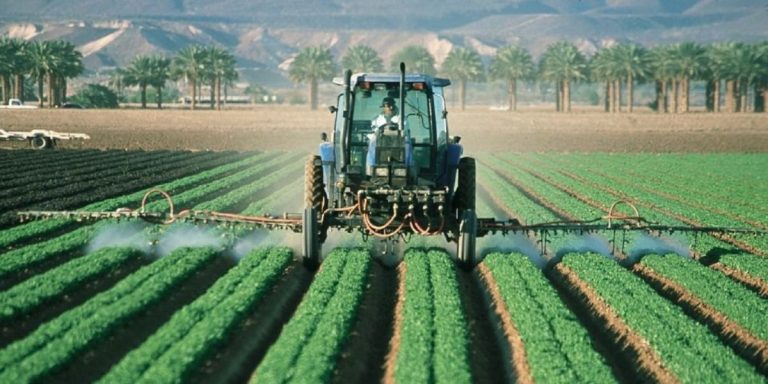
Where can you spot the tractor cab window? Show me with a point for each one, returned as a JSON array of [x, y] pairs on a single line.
[[370, 110]]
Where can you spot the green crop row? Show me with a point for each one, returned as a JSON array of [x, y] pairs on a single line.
[[686, 347], [249, 191], [24, 257], [593, 191], [513, 198], [38, 228], [557, 347], [434, 344], [735, 301], [45, 287], [689, 205], [312, 340], [55, 343], [181, 344]]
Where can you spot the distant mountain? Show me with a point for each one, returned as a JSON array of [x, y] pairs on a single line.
[[265, 34]]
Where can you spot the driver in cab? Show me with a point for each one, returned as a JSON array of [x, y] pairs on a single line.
[[388, 117]]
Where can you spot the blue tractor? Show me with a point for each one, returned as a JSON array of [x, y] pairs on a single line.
[[390, 178]]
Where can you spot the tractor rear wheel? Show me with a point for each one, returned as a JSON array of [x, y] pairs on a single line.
[[311, 245], [467, 239], [314, 190], [314, 193], [464, 197]]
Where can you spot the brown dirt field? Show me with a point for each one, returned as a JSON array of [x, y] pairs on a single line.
[[295, 127]]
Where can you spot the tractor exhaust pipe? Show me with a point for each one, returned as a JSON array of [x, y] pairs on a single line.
[[347, 121], [402, 96]]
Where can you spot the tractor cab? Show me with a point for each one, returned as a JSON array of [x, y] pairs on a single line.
[[408, 149]]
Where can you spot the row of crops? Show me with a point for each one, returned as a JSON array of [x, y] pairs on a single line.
[[140, 302]]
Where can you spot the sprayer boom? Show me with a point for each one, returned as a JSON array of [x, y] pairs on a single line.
[[597, 226]]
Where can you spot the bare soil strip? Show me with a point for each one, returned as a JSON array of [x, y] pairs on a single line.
[[748, 346], [517, 358], [646, 363], [365, 354], [102, 355], [397, 323], [489, 353], [20, 328], [244, 348]]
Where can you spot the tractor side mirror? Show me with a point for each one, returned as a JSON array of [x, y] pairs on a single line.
[[333, 109]]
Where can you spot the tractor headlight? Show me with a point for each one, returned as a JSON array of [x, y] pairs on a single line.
[[400, 172], [381, 172]]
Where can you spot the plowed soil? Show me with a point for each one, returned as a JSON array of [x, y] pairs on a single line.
[[295, 127]]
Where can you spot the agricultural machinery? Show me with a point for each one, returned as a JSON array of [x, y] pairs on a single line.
[[41, 138], [390, 170]]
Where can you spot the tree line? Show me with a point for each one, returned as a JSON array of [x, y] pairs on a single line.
[[48, 63], [51, 63], [732, 71], [736, 74]]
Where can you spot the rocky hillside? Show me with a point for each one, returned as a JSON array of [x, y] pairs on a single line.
[[264, 34]]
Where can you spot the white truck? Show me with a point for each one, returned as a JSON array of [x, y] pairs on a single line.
[[41, 138], [16, 103]]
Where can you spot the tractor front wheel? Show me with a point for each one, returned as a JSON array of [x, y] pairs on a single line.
[[467, 239]]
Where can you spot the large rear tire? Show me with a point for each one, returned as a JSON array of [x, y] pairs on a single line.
[[464, 197], [314, 190], [314, 193], [466, 251], [311, 246]]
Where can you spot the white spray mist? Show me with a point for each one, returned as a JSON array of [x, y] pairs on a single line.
[[513, 243], [188, 235], [583, 244], [645, 244], [123, 234]]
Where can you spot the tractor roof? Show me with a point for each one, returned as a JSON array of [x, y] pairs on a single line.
[[394, 78]]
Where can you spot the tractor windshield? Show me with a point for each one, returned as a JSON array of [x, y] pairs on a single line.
[[418, 132]]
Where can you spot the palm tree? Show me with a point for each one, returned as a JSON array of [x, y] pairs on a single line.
[[222, 69], [311, 65], [562, 63], [68, 64], [188, 65], [631, 62], [512, 64], [717, 69], [416, 59], [7, 54], [761, 85], [140, 73], [746, 67], [690, 63], [463, 64], [160, 72], [20, 65], [663, 70], [604, 69], [41, 57], [362, 58]]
